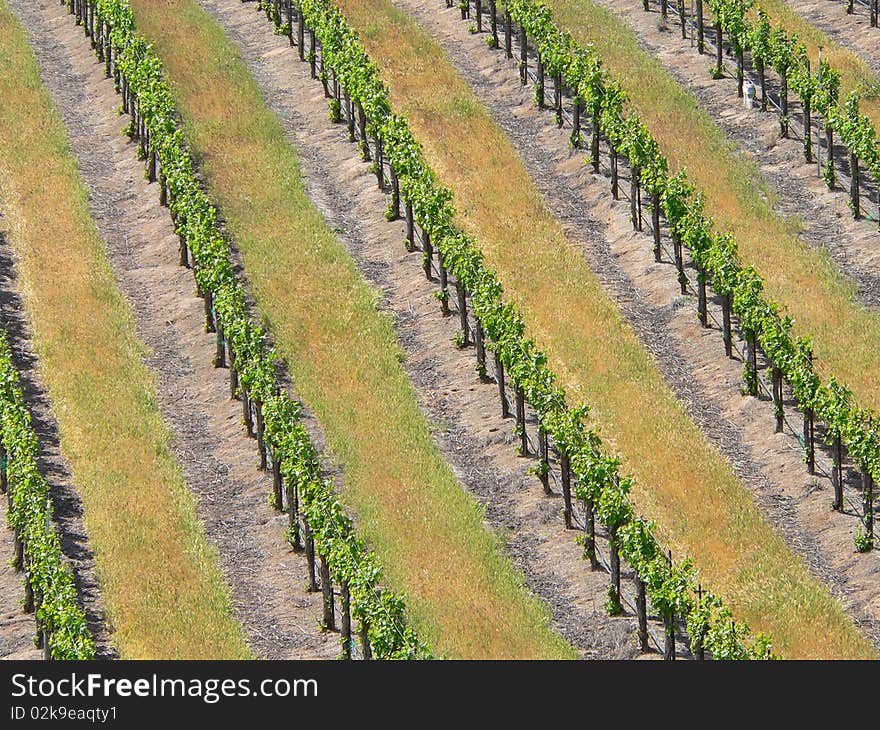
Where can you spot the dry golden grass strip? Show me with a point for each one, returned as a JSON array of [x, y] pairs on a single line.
[[465, 598], [683, 482], [164, 592]]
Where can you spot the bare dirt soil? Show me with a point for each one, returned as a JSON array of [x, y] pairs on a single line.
[[464, 412], [690, 357], [219, 461]]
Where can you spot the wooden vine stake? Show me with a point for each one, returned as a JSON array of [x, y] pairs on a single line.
[[752, 366], [462, 313], [778, 405], [329, 618], [539, 84], [762, 81], [783, 98], [725, 326], [837, 471], [17, 546], [614, 607], [702, 299], [28, 604], [479, 341], [557, 98], [184, 253], [521, 422], [576, 122], [678, 250], [590, 534], [669, 628], [4, 470], [634, 198], [349, 115], [209, 311], [410, 227], [233, 373], [380, 168], [444, 284], [740, 70], [565, 465], [261, 446], [394, 207], [310, 557], [810, 432], [808, 125], [362, 130], [701, 648], [499, 375], [854, 186], [642, 613], [220, 346], [428, 254], [701, 41], [277, 482], [829, 144], [655, 223], [293, 515], [615, 192], [544, 460], [493, 22], [246, 412], [365, 640], [345, 600]]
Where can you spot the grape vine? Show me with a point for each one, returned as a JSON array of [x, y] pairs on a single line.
[[672, 587], [50, 588], [715, 253], [772, 47], [281, 435]]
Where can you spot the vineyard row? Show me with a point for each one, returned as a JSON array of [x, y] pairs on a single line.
[[819, 92], [351, 81], [50, 590], [713, 253], [317, 520]]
